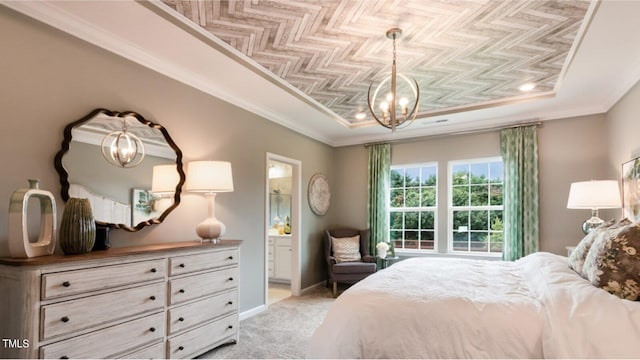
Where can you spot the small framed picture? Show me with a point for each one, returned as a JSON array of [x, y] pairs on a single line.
[[144, 206], [631, 189]]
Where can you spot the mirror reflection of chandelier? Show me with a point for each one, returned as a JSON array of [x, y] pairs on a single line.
[[122, 148], [393, 99]]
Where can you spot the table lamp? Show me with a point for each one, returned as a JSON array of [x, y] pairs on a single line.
[[210, 178], [594, 195]]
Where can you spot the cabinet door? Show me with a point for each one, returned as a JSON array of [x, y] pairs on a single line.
[[283, 262]]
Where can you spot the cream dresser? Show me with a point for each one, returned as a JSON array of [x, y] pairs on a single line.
[[174, 300]]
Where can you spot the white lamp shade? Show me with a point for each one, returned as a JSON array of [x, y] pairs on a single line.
[[209, 176], [602, 194], [165, 179]]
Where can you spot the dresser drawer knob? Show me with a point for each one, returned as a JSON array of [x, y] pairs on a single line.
[[64, 357], [230, 327], [152, 297], [181, 265], [65, 319], [153, 270], [152, 329], [181, 291], [230, 257], [231, 279], [230, 303], [66, 284], [180, 319], [180, 348]]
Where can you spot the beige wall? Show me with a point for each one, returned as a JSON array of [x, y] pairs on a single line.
[[569, 150], [49, 79], [623, 121]]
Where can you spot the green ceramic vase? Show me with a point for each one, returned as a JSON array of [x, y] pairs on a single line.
[[78, 227]]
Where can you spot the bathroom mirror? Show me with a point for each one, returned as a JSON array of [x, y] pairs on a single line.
[[122, 197]]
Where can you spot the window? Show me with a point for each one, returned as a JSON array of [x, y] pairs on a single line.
[[476, 205], [412, 207]]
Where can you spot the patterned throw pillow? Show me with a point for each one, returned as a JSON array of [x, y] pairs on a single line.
[[346, 249], [599, 241], [579, 254], [617, 263]]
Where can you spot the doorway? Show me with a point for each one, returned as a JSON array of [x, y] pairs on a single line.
[[282, 222]]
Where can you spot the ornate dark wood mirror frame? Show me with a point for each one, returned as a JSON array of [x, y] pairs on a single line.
[[64, 175]]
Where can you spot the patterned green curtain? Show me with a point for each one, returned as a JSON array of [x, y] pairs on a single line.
[[378, 194], [519, 148]]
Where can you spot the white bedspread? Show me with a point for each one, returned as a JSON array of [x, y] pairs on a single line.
[[452, 308]]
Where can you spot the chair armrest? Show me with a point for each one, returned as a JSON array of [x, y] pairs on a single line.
[[369, 259], [332, 260]]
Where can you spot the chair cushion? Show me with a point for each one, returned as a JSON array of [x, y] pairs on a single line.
[[354, 268], [346, 248]]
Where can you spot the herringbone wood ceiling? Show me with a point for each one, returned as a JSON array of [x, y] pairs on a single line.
[[464, 54]]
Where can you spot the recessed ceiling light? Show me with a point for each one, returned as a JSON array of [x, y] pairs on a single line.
[[361, 115], [527, 87]]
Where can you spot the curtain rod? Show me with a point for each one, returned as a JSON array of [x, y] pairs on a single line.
[[462, 132]]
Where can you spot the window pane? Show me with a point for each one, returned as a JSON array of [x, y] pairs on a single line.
[[426, 240], [460, 241], [460, 219], [411, 240], [395, 235], [411, 221], [398, 244], [397, 198], [460, 174], [496, 195], [429, 176], [479, 195], [496, 171], [412, 177], [413, 197], [495, 240], [397, 178], [395, 220], [460, 195], [427, 220], [478, 242], [479, 220], [479, 173], [495, 218], [429, 196]]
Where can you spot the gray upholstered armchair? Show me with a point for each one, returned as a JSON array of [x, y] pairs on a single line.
[[352, 271]]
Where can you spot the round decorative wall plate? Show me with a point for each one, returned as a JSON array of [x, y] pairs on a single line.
[[319, 194]]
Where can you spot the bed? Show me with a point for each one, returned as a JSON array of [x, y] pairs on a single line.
[[535, 307]]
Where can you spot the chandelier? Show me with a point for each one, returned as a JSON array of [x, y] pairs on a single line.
[[122, 148], [393, 99]]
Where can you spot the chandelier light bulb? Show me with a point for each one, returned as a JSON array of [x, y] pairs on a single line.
[[389, 97], [403, 101], [384, 106]]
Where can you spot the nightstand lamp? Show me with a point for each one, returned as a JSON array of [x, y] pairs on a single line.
[[210, 178], [594, 195]]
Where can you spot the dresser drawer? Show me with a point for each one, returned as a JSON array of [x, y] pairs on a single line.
[[69, 317], [91, 279], [193, 287], [109, 342], [155, 351], [193, 342], [186, 316], [210, 260]]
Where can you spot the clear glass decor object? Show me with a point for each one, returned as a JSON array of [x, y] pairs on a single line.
[[19, 244], [78, 227]]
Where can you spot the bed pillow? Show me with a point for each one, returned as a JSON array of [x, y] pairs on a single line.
[[579, 254], [346, 249], [616, 263]]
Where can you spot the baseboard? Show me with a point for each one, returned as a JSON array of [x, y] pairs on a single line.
[[312, 287], [252, 312]]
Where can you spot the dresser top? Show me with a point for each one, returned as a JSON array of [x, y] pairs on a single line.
[[121, 251]]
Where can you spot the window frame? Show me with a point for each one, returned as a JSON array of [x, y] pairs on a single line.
[[432, 209], [451, 208]]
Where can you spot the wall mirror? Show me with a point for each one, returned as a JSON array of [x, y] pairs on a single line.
[[121, 196]]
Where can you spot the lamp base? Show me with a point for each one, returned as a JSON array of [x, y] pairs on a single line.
[[210, 229], [591, 224]]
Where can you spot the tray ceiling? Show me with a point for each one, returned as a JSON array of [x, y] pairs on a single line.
[[464, 54]]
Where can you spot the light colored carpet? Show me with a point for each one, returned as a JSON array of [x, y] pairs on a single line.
[[281, 332]]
